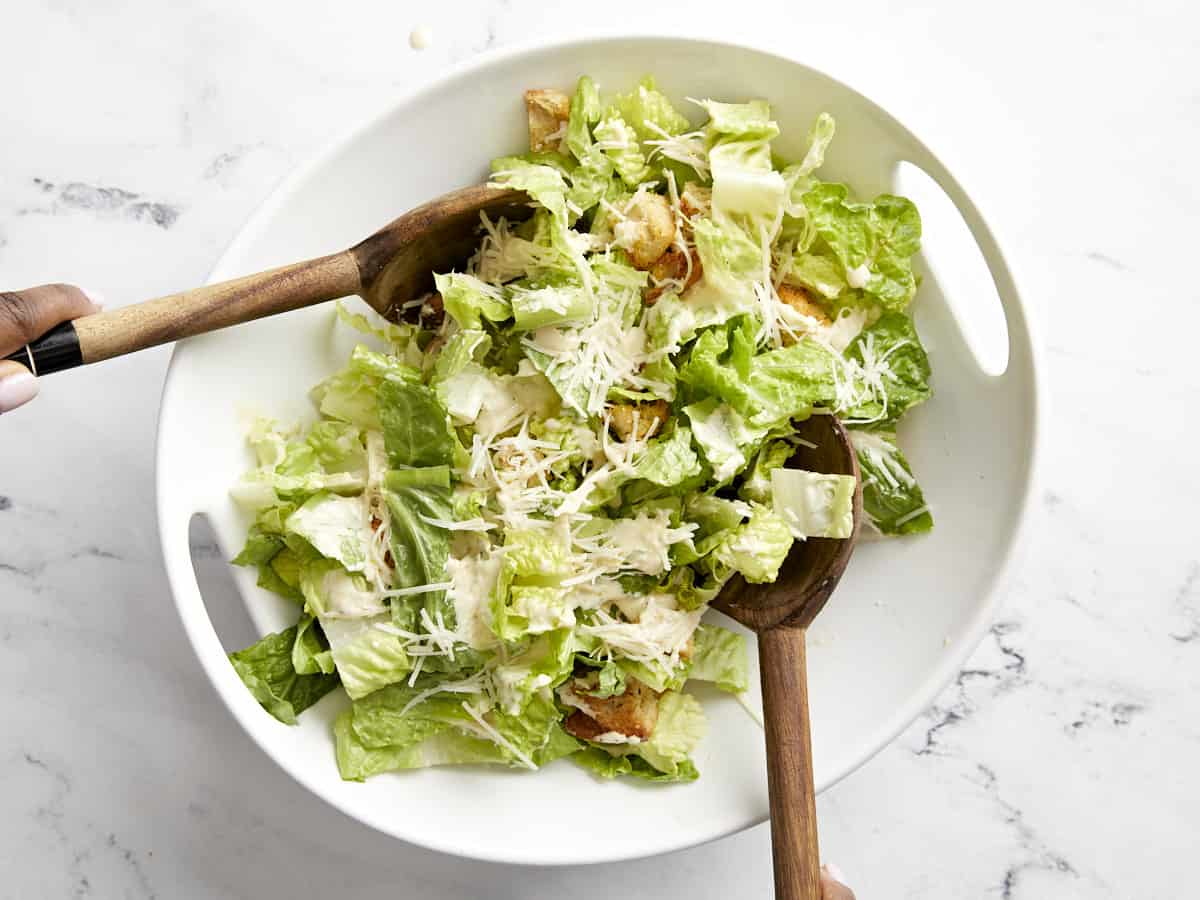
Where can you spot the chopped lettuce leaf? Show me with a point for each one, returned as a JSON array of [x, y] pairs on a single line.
[[892, 366], [719, 656], [756, 548], [350, 395], [620, 144], [420, 546], [756, 486], [415, 430], [357, 762], [725, 437], [681, 725], [367, 656], [607, 764], [585, 112], [267, 670], [669, 459], [310, 652], [649, 112], [874, 242], [544, 183], [336, 526], [892, 499], [469, 301], [814, 504]]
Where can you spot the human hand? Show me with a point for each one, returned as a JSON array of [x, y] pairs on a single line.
[[833, 886], [27, 315]]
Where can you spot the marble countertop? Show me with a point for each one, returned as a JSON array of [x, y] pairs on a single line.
[[137, 137]]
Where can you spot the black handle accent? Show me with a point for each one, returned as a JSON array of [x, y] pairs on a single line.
[[54, 351]]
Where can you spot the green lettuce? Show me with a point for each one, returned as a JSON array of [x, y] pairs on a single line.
[[607, 764], [336, 527], [649, 112], [765, 390], [892, 499], [415, 429], [620, 144], [585, 112], [756, 485], [549, 304], [814, 504], [719, 656], [890, 354], [310, 652], [350, 395], [329, 590], [680, 728], [756, 548], [357, 762], [419, 547], [669, 459], [367, 657], [469, 301], [546, 184], [289, 471], [267, 670], [874, 242], [544, 665], [526, 593], [724, 436]]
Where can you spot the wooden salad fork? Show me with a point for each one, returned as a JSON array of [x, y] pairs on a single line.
[[780, 614]]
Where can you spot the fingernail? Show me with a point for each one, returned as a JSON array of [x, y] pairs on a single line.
[[835, 873], [96, 297], [16, 389]]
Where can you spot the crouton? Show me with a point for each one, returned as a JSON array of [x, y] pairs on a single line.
[[647, 229], [650, 418], [802, 301], [695, 200], [671, 269], [632, 714], [548, 111]]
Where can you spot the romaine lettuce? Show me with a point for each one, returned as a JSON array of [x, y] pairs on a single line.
[[267, 670], [892, 499]]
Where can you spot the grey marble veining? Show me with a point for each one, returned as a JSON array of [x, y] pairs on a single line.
[[1061, 761]]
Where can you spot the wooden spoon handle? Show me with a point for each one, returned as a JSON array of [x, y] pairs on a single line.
[[789, 764], [130, 328]]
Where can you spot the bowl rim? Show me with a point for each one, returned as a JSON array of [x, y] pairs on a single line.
[[965, 642]]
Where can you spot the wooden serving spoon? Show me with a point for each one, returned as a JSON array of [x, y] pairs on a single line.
[[391, 267], [780, 613]]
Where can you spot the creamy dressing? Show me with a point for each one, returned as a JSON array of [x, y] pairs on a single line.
[[472, 580], [858, 276]]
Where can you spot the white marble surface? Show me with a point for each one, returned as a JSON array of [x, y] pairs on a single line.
[[136, 136]]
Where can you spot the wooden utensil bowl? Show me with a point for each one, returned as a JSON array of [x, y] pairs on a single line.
[[814, 566]]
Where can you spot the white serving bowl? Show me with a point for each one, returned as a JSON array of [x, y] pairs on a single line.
[[907, 612]]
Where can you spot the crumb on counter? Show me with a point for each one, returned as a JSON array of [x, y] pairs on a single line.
[[421, 37]]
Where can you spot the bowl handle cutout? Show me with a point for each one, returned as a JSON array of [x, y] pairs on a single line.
[[962, 256], [178, 533], [219, 590]]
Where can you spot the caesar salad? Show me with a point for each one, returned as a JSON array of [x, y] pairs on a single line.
[[504, 526]]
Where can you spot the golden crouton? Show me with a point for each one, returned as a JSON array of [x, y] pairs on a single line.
[[647, 229], [802, 301], [548, 112], [672, 266], [650, 418], [632, 714]]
